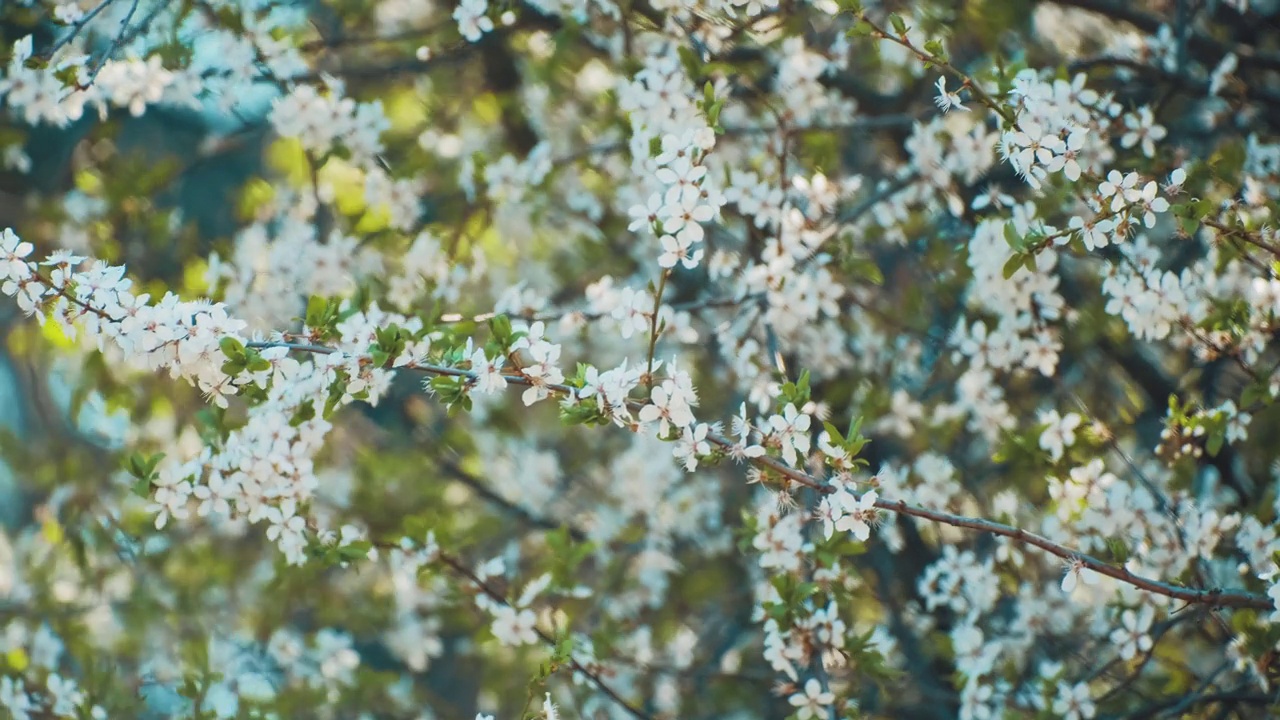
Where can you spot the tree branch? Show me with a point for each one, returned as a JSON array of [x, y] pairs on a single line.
[[461, 569], [1213, 597]]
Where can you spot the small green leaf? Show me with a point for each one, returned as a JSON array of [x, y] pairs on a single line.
[[1011, 237], [306, 411], [713, 113], [256, 362], [934, 48], [1119, 549], [899, 25], [1216, 439], [850, 547], [1011, 265], [689, 58], [316, 310], [804, 591], [1189, 225], [836, 437], [859, 29], [355, 550], [855, 427], [500, 325], [232, 348]]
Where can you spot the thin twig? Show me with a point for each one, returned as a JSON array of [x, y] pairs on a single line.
[[974, 86], [460, 568], [111, 49], [76, 27], [653, 327]]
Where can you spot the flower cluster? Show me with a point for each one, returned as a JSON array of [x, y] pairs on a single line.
[[322, 121]]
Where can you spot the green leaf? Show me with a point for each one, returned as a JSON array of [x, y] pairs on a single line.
[[863, 267], [254, 394], [500, 325], [564, 647], [1011, 237], [1217, 437], [142, 488], [212, 424], [848, 547], [1255, 393], [859, 29], [836, 437], [336, 390], [355, 550], [1119, 549], [855, 427], [586, 412], [934, 48], [257, 363], [899, 25], [331, 404], [232, 348], [804, 591], [713, 113], [1011, 265], [689, 58], [143, 467], [316, 311], [306, 411]]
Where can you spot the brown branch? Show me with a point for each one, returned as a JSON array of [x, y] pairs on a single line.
[[460, 568], [516, 510], [1214, 597], [1242, 234], [974, 86], [653, 327]]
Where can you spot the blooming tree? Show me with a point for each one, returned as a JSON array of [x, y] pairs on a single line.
[[720, 359]]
